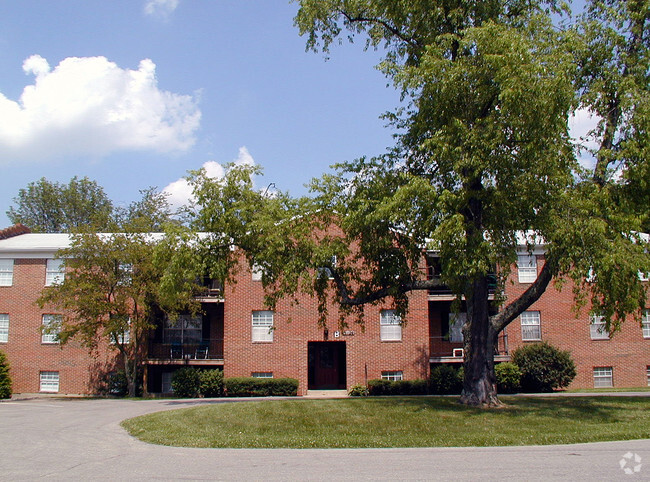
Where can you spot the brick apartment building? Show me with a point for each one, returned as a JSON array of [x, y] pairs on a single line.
[[237, 334]]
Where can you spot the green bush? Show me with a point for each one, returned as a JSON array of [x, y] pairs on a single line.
[[543, 367], [186, 382], [445, 380], [5, 379], [211, 383], [118, 384], [359, 391], [508, 377], [398, 387], [260, 387]]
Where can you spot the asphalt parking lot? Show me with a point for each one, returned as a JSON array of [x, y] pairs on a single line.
[[81, 439]]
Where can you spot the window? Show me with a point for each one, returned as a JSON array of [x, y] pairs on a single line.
[[597, 328], [456, 322], [390, 326], [326, 271], [124, 273], [4, 328], [51, 325], [527, 268], [644, 276], [530, 326], [49, 382], [645, 323], [6, 272], [262, 326], [256, 272], [54, 272], [647, 374], [167, 383], [186, 330], [262, 374], [603, 377], [392, 376]]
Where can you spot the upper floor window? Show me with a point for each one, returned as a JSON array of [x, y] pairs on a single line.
[[645, 323], [4, 328], [597, 328], [644, 276], [54, 272], [527, 268], [262, 326], [6, 272], [51, 326], [530, 326], [390, 325], [186, 330]]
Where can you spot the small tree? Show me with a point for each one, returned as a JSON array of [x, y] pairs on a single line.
[[544, 368], [5, 379]]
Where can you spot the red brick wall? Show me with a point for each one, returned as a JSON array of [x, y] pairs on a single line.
[[297, 325], [78, 371], [627, 352]]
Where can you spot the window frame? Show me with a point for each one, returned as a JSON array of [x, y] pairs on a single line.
[[54, 271], [645, 323], [262, 326], [179, 332], [265, 375], [392, 375], [4, 327], [49, 381], [7, 271], [603, 375], [50, 338], [528, 316], [456, 322], [598, 333], [390, 326], [526, 270]]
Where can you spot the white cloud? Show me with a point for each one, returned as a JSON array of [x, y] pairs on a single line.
[[89, 106], [180, 192], [581, 123], [160, 8]]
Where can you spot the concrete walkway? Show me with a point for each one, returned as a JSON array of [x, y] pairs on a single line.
[[58, 439]]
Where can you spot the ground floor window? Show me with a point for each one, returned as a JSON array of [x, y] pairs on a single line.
[[167, 382], [262, 374], [645, 323], [49, 382], [603, 377], [4, 328], [392, 375], [647, 374], [262, 326], [530, 326]]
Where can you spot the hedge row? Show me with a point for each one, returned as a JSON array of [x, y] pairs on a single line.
[[189, 382], [538, 367]]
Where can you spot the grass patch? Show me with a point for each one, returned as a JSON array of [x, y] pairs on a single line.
[[396, 422]]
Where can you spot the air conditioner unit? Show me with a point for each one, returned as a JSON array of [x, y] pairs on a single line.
[[458, 352]]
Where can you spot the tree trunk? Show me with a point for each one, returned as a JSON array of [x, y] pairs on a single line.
[[479, 385], [129, 371]]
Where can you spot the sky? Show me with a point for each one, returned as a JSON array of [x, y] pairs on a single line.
[[134, 93]]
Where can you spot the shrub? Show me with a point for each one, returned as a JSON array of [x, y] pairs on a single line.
[[398, 387], [508, 377], [445, 380], [186, 382], [211, 383], [118, 384], [543, 367], [359, 391], [260, 387], [5, 379]]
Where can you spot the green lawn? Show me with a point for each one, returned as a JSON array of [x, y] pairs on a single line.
[[396, 422]]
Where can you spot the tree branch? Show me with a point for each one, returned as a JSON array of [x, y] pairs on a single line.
[[393, 30], [527, 298]]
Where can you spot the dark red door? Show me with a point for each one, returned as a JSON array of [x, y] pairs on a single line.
[[326, 365]]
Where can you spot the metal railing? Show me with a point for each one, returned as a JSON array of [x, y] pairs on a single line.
[[208, 349]]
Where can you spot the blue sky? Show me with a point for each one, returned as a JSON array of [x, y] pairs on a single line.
[[134, 93]]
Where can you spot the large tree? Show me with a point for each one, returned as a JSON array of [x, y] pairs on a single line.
[[51, 207], [483, 153]]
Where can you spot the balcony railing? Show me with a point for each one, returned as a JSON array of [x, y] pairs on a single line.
[[209, 349], [440, 346]]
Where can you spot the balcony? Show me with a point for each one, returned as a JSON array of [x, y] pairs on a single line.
[[206, 352], [441, 350]]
